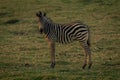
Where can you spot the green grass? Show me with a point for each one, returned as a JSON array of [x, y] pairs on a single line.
[[24, 54]]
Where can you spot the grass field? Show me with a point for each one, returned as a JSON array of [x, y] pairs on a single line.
[[24, 54]]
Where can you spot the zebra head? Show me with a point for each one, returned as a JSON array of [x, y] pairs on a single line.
[[41, 19]]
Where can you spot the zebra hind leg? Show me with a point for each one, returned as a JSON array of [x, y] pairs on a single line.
[[90, 62], [87, 54], [85, 60]]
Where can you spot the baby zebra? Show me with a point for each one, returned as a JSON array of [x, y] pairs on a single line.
[[64, 33]]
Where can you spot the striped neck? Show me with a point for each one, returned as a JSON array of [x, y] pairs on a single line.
[[47, 27]]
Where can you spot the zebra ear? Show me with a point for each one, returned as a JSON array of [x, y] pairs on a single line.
[[39, 14], [44, 14]]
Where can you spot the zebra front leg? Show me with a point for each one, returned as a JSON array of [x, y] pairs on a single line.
[[52, 52], [52, 46]]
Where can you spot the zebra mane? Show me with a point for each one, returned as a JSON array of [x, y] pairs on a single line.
[[49, 20]]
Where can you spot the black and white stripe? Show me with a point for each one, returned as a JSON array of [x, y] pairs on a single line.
[[66, 33]]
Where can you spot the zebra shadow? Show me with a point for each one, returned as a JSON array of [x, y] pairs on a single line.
[[2, 14], [109, 63], [12, 21]]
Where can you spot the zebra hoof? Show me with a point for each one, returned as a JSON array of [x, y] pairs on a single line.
[[52, 65], [83, 67], [89, 67]]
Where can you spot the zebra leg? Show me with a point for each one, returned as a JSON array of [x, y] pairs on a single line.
[[52, 46], [90, 61], [85, 62], [52, 51], [87, 54]]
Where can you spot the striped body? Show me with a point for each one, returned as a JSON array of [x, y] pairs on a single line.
[[65, 33]]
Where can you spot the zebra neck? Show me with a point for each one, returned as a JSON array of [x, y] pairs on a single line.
[[47, 27], [50, 30]]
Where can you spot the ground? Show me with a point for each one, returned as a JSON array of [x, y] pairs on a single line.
[[25, 55]]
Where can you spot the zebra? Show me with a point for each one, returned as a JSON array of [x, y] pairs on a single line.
[[65, 33]]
